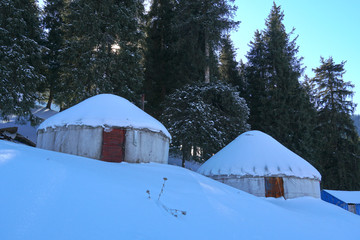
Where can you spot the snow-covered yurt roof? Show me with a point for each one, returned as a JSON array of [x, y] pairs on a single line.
[[255, 153], [105, 110]]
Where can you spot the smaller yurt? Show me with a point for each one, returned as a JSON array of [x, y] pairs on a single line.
[[108, 128], [258, 164]]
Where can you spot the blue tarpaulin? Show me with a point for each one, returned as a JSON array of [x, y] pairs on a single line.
[[328, 196]]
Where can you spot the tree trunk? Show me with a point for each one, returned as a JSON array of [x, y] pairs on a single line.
[[51, 97], [143, 101], [186, 153], [207, 54]]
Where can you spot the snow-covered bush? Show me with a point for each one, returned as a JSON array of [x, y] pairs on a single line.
[[203, 118]]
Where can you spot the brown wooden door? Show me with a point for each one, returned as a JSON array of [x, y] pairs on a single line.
[[113, 145], [274, 187]]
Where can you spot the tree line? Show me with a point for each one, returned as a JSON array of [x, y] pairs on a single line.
[[180, 56]]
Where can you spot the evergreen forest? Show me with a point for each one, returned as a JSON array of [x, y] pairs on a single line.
[[177, 60]]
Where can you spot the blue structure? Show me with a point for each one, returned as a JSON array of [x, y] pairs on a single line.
[[348, 200]]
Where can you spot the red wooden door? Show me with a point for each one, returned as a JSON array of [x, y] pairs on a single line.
[[274, 187], [113, 145]]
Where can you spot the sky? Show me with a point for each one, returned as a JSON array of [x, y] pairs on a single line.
[[324, 28]]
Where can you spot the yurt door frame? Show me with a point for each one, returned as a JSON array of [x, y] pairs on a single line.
[[274, 187], [352, 208], [113, 146]]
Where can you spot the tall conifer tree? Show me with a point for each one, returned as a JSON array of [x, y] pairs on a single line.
[[179, 33], [102, 52], [20, 56], [181, 56], [339, 143], [278, 102], [228, 68], [256, 82], [202, 25], [53, 22], [160, 54]]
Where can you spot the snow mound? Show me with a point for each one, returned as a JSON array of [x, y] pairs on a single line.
[[50, 195], [105, 110], [255, 153], [346, 196]]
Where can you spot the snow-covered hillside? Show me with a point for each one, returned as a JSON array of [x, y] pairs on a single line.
[[49, 195]]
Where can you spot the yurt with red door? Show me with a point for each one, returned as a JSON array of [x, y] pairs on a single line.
[[106, 127], [258, 164]]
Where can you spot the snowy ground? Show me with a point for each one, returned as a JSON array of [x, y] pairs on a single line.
[[49, 195]]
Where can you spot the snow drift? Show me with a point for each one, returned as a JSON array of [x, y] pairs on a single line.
[[50, 195]]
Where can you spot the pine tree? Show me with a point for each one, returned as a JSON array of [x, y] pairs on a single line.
[[228, 68], [204, 118], [284, 70], [278, 103], [339, 143], [20, 56], [102, 52], [160, 57], [201, 25], [242, 78], [256, 82], [182, 40], [356, 119], [53, 22]]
